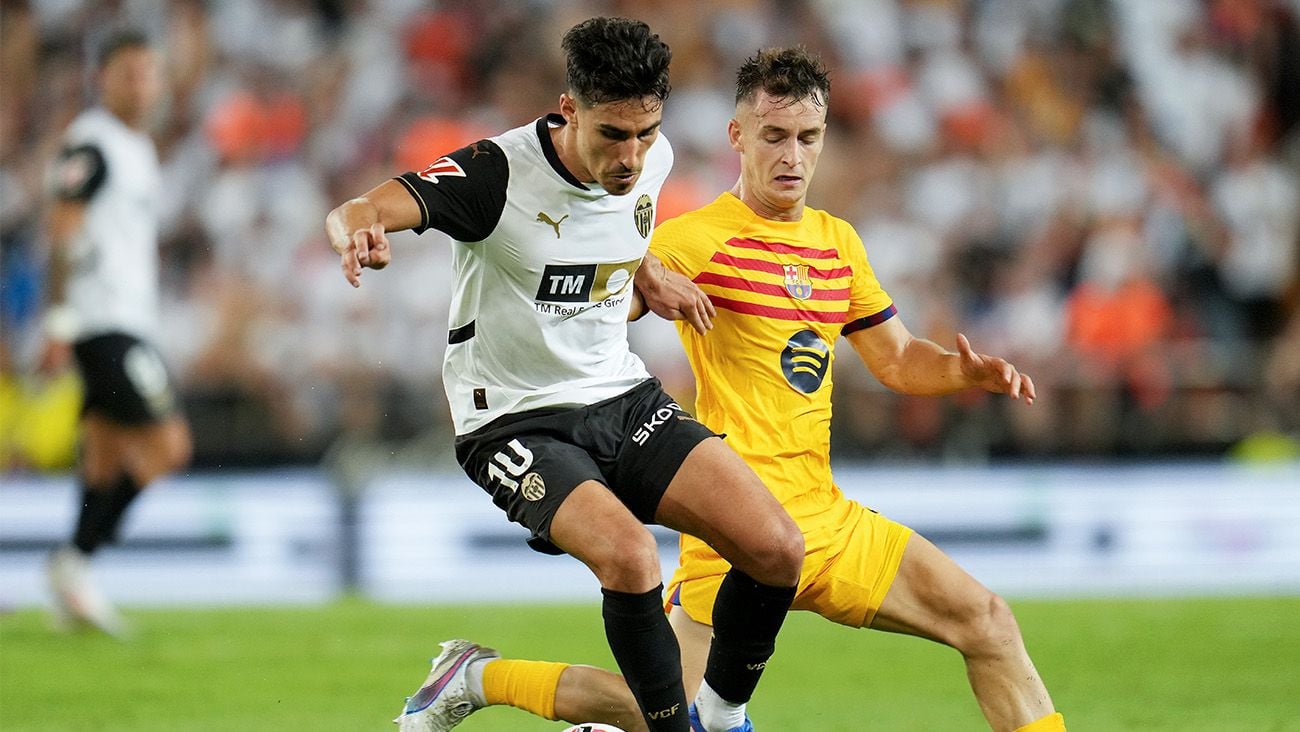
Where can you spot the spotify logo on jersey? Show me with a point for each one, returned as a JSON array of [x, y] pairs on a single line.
[[805, 361]]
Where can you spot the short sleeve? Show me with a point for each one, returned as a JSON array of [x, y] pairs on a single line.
[[463, 193], [79, 173], [680, 246], [869, 304]]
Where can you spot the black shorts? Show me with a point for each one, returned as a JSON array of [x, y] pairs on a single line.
[[531, 461], [125, 379]]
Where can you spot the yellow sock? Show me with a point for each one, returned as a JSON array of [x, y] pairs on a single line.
[[526, 685], [1051, 723]]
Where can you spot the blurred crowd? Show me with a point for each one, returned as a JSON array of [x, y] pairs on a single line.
[[1107, 192]]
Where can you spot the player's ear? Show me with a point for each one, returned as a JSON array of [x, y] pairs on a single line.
[[568, 108], [734, 136]]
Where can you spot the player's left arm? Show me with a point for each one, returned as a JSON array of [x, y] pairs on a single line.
[[670, 295], [664, 282], [908, 364], [912, 365]]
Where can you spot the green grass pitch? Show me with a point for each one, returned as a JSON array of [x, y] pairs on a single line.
[[1212, 665]]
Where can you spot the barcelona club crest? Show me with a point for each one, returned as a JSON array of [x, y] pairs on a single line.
[[797, 282], [645, 215]]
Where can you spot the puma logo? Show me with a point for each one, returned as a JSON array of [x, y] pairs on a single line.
[[545, 219], [756, 666], [475, 152], [665, 713]]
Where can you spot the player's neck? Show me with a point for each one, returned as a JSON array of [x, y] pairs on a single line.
[[766, 210], [127, 116], [566, 146]]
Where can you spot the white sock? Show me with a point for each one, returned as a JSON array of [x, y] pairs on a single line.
[[717, 714], [474, 681]]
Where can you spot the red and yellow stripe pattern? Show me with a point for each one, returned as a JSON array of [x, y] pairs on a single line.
[[785, 291]]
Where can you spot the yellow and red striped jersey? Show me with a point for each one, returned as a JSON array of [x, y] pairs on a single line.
[[785, 291]]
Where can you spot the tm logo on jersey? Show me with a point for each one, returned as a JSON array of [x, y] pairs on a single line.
[[805, 361], [583, 283]]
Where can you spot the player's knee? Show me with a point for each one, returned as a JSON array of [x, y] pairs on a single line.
[[160, 454], [174, 446], [180, 450], [780, 561], [991, 628], [627, 562]]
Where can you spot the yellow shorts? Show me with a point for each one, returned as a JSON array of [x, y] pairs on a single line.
[[851, 557]]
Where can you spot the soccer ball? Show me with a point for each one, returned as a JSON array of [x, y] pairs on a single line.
[[593, 727]]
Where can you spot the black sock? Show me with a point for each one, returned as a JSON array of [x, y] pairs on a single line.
[[119, 499], [747, 615], [94, 505], [102, 510], [646, 650]]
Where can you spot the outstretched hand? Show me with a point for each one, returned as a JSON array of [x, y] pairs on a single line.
[[994, 374], [366, 248]]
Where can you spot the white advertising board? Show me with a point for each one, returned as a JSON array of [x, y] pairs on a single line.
[[285, 537], [216, 539], [1149, 530]]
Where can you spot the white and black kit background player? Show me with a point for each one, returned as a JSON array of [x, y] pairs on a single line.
[[102, 293], [555, 418]]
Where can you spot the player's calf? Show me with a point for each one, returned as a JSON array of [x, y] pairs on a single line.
[[747, 616]]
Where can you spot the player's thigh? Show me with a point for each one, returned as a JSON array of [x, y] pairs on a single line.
[[715, 496], [932, 596], [104, 453], [594, 526], [159, 448], [527, 470], [695, 638]]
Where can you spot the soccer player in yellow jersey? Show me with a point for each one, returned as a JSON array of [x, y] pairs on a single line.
[[783, 283]]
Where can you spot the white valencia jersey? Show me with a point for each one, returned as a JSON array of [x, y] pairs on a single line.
[[543, 274], [113, 277]]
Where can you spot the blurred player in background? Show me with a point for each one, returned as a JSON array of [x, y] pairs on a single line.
[[788, 281], [102, 293], [555, 417]]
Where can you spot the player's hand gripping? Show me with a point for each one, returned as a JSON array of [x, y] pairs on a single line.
[[366, 248], [673, 296], [994, 374]]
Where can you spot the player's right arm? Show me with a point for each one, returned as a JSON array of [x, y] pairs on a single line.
[[78, 174], [60, 325], [357, 229], [461, 194]]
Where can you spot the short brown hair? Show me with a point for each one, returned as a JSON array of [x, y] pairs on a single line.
[[788, 73]]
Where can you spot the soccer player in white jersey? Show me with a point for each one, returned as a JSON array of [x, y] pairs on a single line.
[[555, 418], [102, 293]]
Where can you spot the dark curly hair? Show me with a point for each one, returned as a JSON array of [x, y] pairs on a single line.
[[615, 59], [786, 73]]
